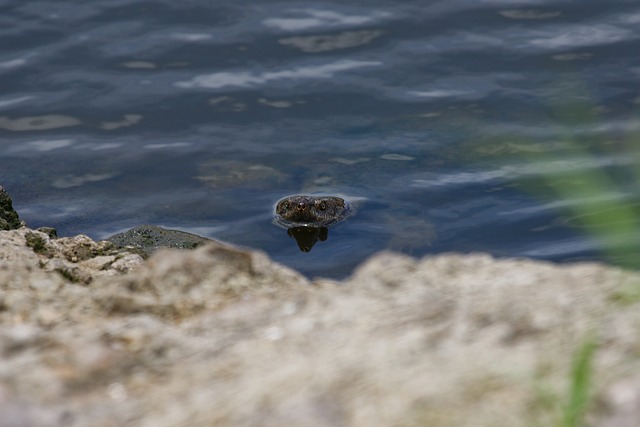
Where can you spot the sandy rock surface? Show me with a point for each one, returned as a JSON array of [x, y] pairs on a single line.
[[224, 336]]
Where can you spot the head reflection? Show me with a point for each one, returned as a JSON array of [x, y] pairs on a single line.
[[306, 237]]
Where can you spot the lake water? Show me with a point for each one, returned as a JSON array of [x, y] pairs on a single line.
[[508, 127]]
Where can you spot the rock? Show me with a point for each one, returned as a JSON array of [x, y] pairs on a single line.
[[49, 231], [81, 247], [78, 259], [9, 219], [223, 174], [224, 336], [177, 285], [146, 239], [126, 262]]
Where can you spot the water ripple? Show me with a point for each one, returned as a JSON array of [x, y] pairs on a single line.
[[250, 79]]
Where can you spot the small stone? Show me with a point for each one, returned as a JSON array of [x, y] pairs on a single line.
[[69, 271], [117, 391], [101, 262], [47, 317], [127, 262], [49, 231]]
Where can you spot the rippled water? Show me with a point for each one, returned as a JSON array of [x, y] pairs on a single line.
[[500, 126]]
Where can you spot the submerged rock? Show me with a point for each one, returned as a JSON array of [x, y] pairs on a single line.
[[221, 174]]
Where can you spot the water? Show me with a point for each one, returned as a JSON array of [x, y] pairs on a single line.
[[498, 126]]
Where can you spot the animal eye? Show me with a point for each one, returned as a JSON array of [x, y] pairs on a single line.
[[322, 206], [284, 205]]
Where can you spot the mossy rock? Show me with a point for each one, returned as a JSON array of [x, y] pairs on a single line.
[[9, 219]]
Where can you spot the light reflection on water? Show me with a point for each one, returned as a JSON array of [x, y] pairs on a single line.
[[439, 117]]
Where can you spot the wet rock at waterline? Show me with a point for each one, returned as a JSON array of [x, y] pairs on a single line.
[[9, 219], [146, 239]]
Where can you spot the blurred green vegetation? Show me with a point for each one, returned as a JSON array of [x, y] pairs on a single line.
[[601, 197], [568, 409], [579, 160], [580, 390]]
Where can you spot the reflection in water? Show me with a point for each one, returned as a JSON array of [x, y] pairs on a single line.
[[306, 237]]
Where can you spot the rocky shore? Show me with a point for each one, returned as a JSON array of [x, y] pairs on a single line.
[[92, 334]]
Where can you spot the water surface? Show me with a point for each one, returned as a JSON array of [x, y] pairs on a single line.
[[500, 126]]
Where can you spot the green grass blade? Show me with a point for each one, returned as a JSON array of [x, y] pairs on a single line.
[[580, 387]]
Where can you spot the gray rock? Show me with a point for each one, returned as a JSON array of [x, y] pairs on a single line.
[[146, 239], [223, 336], [79, 259], [9, 219], [49, 231]]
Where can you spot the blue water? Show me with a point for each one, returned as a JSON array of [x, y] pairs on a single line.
[[508, 127]]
